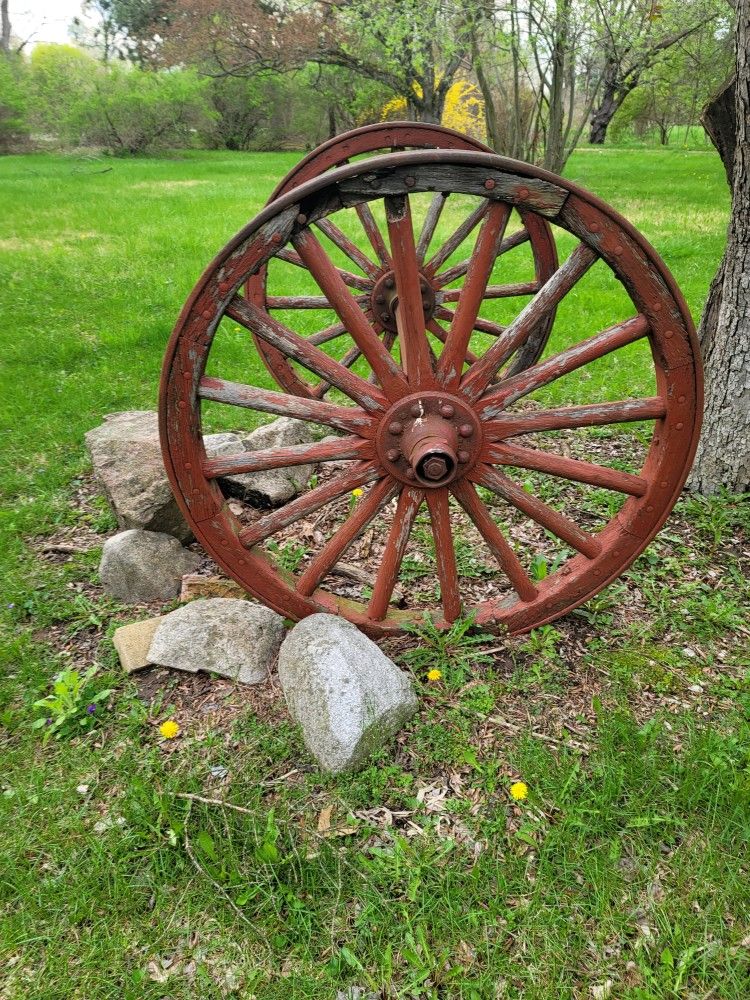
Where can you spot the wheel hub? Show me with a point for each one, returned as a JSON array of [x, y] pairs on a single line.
[[384, 300], [429, 439]]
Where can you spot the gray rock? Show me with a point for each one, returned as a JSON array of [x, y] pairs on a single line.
[[126, 457], [274, 486], [347, 696], [141, 566], [222, 444], [223, 635]]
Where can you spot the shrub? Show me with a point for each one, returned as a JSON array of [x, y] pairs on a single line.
[[13, 104], [133, 111]]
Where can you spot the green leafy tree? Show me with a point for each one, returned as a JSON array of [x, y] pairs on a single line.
[[632, 38]]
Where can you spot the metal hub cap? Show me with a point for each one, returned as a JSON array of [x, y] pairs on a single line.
[[430, 438], [384, 300]]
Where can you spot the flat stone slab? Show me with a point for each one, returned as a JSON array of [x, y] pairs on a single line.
[[345, 693], [234, 638], [132, 643], [142, 566], [126, 456], [194, 585]]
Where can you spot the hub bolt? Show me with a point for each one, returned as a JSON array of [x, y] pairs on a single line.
[[385, 316], [390, 282], [410, 473], [465, 430], [416, 410], [447, 411], [395, 428], [393, 455], [463, 457], [380, 299]]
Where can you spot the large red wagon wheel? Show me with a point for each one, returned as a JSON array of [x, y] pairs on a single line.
[[373, 267], [430, 444]]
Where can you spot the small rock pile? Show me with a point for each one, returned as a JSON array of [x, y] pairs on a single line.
[[346, 695]]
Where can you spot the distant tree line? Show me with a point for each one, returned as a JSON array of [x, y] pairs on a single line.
[[533, 77]]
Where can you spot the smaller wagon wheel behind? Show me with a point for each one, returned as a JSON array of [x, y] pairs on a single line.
[[435, 460], [367, 266]]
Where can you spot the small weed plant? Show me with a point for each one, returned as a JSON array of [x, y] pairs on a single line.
[[73, 704], [455, 651]]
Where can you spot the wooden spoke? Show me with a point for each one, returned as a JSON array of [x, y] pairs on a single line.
[[538, 511], [415, 357], [353, 280], [436, 329], [495, 291], [346, 246], [567, 361], [342, 538], [344, 418], [566, 468], [456, 239], [307, 354], [297, 302], [481, 325], [281, 458], [430, 223], [330, 333], [450, 595], [459, 270], [480, 375], [352, 355], [372, 230], [511, 424], [472, 294], [308, 503], [389, 339], [349, 312], [509, 562], [403, 520]]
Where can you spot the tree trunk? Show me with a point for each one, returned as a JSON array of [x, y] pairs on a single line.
[[723, 456], [490, 114], [604, 113], [554, 151], [719, 120], [4, 27]]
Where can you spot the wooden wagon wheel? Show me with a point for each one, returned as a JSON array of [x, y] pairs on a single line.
[[429, 446], [373, 268]]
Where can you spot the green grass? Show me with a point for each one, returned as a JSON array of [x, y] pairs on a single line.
[[628, 862]]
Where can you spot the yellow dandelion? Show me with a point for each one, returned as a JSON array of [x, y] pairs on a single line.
[[519, 791], [434, 674], [357, 493], [169, 729]]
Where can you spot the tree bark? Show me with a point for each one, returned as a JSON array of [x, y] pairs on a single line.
[[723, 456], [614, 92], [4, 27], [719, 120]]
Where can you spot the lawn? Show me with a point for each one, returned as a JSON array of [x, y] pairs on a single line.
[[625, 871]]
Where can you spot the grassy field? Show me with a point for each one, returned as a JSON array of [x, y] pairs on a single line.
[[624, 873]]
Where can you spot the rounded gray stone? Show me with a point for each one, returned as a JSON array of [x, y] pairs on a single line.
[[141, 566], [126, 457], [345, 693], [223, 635]]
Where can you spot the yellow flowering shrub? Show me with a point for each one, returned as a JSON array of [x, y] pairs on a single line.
[[463, 111]]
